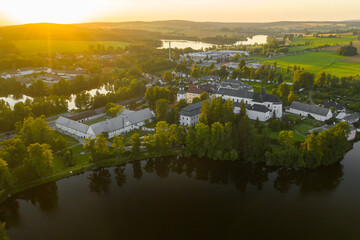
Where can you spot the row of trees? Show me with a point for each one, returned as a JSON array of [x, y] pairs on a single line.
[[319, 149]]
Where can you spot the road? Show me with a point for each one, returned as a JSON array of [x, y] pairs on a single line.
[[310, 94]]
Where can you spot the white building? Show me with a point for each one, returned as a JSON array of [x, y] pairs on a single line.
[[125, 122], [258, 112], [181, 94], [317, 112], [189, 116], [272, 102]]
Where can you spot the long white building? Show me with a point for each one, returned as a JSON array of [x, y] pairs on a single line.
[[125, 122], [317, 112]]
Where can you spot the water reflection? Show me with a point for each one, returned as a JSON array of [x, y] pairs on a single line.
[[240, 175], [120, 176], [99, 180], [45, 197]]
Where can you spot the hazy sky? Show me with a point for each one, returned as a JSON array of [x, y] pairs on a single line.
[[67, 11]]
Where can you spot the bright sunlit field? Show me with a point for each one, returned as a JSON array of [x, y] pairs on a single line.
[[34, 47], [321, 61]]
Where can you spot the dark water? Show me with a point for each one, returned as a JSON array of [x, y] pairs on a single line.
[[193, 199]]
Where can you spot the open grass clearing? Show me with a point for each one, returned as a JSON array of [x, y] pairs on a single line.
[[320, 61]]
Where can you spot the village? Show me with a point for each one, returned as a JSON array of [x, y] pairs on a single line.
[[260, 106]]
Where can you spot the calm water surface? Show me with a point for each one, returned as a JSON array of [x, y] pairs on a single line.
[[181, 44], [12, 100], [178, 198]]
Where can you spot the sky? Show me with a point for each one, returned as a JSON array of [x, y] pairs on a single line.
[[76, 11]]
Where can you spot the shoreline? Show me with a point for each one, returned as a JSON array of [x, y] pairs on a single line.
[[110, 162]]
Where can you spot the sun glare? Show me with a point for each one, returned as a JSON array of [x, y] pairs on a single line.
[[58, 11]]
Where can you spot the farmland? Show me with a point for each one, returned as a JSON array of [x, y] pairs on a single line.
[[34, 47], [316, 42], [327, 61]]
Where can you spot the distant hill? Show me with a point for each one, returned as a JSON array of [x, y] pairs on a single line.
[[50, 31], [139, 31]]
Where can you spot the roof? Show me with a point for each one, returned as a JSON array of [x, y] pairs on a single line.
[[191, 110], [235, 93], [352, 118], [329, 104], [314, 109], [341, 116], [258, 108], [265, 97], [195, 90], [72, 124], [87, 114], [127, 117]]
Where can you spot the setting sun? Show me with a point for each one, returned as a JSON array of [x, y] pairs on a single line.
[[65, 11]]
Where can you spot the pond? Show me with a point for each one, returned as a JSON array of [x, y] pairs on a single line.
[[181, 44], [190, 198]]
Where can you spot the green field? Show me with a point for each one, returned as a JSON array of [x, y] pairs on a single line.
[[34, 47], [322, 61], [316, 42]]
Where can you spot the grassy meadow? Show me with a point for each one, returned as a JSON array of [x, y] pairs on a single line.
[[316, 42], [34, 47], [321, 61]]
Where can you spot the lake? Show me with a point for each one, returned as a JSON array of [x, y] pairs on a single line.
[[190, 198], [181, 44], [12, 100]]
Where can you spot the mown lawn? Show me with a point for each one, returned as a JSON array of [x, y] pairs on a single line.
[[69, 140], [100, 119], [34, 47], [322, 61]]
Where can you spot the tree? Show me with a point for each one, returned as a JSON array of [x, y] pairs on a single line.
[[83, 100], [101, 147], [302, 80], [195, 73], [118, 145], [89, 146], [242, 63], [320, 79], [162, 108], [286, 139], [283, 92], [5, 176], [68, 157], [135, 143], [13, 151], [202, 139], [204, 96], [35, 131], [40, 160], [3, 234], [168, 76], [347, 50], [292, 97], [216, 149], [114, 111]]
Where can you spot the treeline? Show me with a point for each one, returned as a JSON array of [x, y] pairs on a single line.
[[46, 106], [247, 140], [29, 155], [319, 149]]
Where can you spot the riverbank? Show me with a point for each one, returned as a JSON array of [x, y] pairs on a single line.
[[74, 170]]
